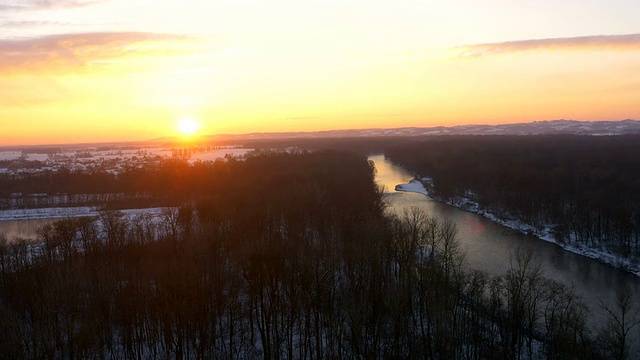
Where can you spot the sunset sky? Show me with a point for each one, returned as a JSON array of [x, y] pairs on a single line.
[[120, 70]]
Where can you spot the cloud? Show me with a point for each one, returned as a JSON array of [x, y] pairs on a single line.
[[72, 52], [630, 42], [44, 4], [28, 23]]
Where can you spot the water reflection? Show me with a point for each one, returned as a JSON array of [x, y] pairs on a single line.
[[490, 247], [25, 229]]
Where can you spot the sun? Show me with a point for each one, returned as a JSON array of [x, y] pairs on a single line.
[[188, 126]]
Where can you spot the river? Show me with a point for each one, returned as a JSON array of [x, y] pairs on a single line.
[[490, 247], [24, 229]]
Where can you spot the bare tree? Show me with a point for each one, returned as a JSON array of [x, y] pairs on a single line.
[[623, 318], [4, 250]]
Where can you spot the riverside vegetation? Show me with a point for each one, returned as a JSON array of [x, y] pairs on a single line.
[[584, 191]]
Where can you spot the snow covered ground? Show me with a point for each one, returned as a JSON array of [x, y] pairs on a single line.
[[64, 212], [413, 186], [467, 204], [217, 154], [10, 155], [112, 160]]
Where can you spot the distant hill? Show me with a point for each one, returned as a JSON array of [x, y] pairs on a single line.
[[622, 127], [532, 128]]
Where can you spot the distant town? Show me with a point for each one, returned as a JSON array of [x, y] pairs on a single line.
[[113, 159]]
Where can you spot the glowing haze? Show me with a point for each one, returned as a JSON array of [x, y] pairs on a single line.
[[112, 70]]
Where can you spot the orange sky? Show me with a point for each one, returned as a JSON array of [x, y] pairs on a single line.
[[88, 71]]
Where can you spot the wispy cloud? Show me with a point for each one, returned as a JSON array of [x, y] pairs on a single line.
[[44, 4], [28, 23], [629, 42], [73, 51]]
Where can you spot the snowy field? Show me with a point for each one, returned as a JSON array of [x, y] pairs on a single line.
[[217, 154], [111, 160], [93, 154], [65, 212], [10, 155]]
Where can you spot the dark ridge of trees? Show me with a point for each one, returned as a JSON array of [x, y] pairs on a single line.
[[359, 145], [586, 187], [168, 183], [280, 256]]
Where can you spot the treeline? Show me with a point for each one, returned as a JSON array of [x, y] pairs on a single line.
[[283, 256], [359, 145], [587, 188], [169, 182], [166, 183]]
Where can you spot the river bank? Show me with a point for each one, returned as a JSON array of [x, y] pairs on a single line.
[[24, 223], [467, 203], [64, 213]]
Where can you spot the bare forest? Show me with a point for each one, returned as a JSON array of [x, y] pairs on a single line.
[[279, 255]]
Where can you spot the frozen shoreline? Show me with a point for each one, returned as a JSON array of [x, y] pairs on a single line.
[[469, 205], [63, 212]]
